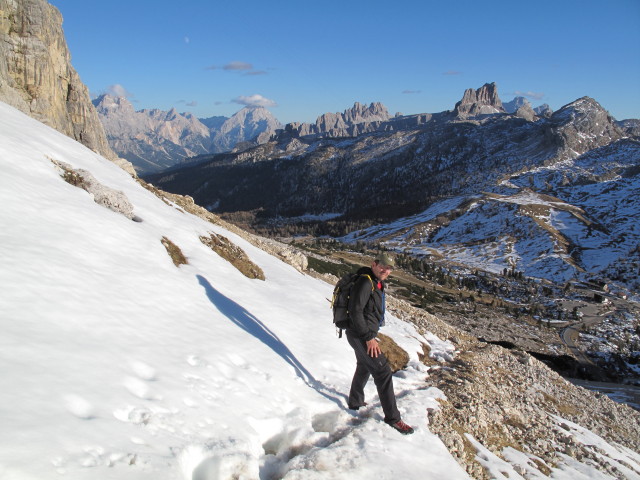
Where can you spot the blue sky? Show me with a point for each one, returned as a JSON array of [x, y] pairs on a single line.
[[302, 59]]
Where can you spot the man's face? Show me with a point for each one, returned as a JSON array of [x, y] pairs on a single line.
[[381, 271]]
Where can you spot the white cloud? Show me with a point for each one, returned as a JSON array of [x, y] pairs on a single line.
[[531, 95], [254, 101], [117, 90], [238, 66]]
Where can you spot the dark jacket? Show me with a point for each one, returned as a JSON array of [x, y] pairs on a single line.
[[366, 305]]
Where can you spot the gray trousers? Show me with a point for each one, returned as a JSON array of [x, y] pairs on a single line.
[[379, 369]]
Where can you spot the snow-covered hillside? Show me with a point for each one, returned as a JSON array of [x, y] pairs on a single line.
[[116, 364], [587, 229]]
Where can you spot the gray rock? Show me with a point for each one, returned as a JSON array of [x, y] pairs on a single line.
[[37, 78], [515, 104], [245, 125], [526, 112], [350, 123], [483, 101], [151, 139], [103, 195]]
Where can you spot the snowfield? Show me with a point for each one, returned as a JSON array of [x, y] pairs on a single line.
[[116, 364]]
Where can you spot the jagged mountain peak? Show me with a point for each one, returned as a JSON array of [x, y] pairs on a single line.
[[254, 112], [359, 119], [583, 125], [359, 113], [107, 104], [483, 101], [582, 106], [244, 125], [515, 104]]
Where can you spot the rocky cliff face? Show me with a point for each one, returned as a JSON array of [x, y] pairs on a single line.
[[515, 104], [352, 122], [244, 125], [483, 101], [584, 125], [151, 139], [36, 75]]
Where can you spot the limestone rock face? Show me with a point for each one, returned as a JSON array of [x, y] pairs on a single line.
[[583, 125], [245, 125], [515, 104], [526, 112], [150, 139], [37, 78], [350, 123], [483, 101]]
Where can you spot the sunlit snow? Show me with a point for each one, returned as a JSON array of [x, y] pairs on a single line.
[[116, 364]]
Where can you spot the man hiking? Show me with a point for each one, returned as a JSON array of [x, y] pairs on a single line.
[[366, 313]]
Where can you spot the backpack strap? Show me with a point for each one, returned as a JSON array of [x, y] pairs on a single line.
[[371, 280]]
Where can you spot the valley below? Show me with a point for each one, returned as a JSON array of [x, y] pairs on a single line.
[[587, 335]]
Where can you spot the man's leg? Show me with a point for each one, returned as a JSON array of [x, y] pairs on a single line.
[[360, 379], [380, 370]]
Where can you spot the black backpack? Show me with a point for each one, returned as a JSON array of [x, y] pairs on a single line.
[[340, 301]]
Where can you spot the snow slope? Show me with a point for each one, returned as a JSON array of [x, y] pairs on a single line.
[[116, 364]]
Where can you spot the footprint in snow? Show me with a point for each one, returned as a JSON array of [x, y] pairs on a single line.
[[140, 389], [79, 407], [144, 371]]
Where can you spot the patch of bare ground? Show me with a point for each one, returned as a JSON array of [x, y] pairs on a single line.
[[233, 254], [185, 203], [177, 257], [507, 398]]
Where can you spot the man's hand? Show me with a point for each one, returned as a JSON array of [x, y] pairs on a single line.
[[373, 349]]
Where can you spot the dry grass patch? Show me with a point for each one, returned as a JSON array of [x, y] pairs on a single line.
[[234, 255], [174, 252]]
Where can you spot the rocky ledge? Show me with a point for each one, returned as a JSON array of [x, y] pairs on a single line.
[[506, 398]]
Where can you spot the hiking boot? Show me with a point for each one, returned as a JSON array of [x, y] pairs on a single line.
[[356, 407], [402, 427]]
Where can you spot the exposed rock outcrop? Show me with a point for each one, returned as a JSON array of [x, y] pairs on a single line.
[[103, 195], [504, 398], [582, 126], [352, 122], [36, 75], [630, 126], [483, 101], [515, 104], [151, 139], [245, 125]]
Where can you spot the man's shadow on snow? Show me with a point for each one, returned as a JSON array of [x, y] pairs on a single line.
[[250, 324]]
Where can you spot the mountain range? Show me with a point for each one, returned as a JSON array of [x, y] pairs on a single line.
[[527, 172], [153, 140]]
